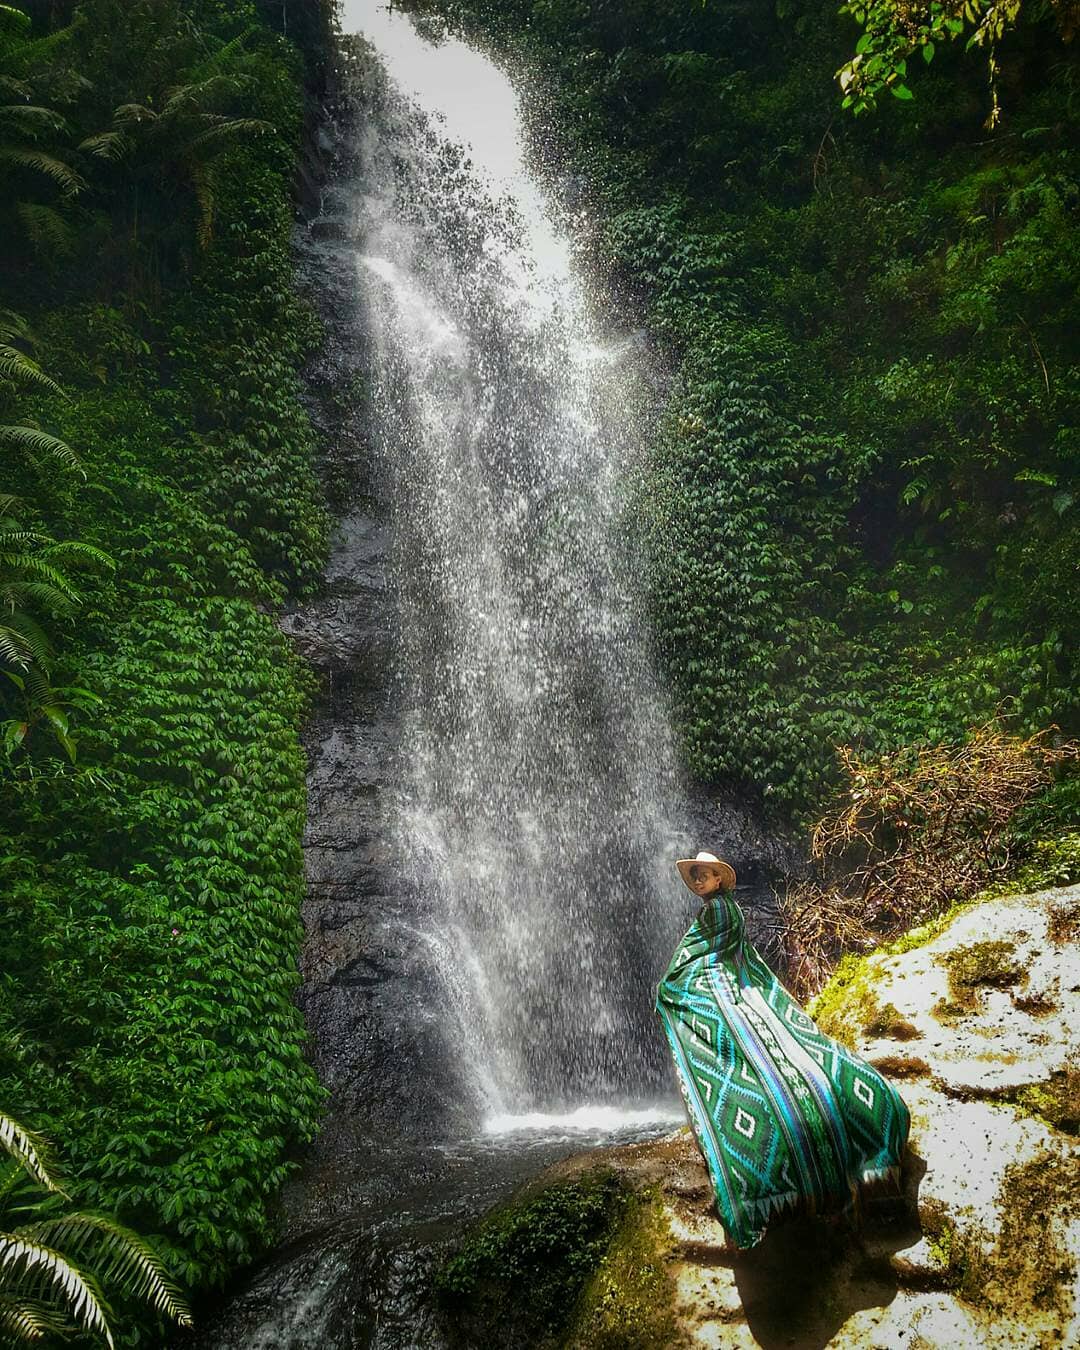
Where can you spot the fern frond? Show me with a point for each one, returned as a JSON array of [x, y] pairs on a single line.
[[22, 369], [31, 119], [30, 1319], [234, 126], [23, 642], [13, 650], [133, 113], [54, 591], [107, 145], [76, 548], [221, 57], [46, 228], [195, 95], [26, 1267], [29, 1150], [9, 504], [34, 442], [202, 179], [117, 1255], [36, 686], [14, 20], [13, 88], [14, 328], [27, 57], [63, 175], [11, 539]]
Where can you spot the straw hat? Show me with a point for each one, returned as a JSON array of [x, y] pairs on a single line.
[[723, 870]]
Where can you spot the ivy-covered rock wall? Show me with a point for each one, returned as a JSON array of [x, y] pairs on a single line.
[[149, 928], [863, 495]]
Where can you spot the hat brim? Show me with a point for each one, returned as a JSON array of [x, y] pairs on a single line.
[[725, 871]]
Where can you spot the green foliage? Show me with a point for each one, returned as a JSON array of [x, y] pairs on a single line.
[[150, 928], [893, 31], [521, 1270], [37, 584], [59, 1267], [863, 497]]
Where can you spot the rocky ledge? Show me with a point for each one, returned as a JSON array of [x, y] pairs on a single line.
[[975, 1016]]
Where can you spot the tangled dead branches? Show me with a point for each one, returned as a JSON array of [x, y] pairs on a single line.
[[913, 832]]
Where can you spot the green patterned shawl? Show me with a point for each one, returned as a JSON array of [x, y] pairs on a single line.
[[787, 1118]]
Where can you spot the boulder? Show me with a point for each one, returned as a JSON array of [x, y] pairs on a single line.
[[975, 1016]]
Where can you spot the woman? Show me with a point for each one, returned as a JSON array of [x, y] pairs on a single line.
[[788, 1119]]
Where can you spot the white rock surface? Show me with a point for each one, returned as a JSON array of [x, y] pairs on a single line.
[[993, 1257]]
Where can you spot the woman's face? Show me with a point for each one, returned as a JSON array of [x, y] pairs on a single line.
[[703, 880]]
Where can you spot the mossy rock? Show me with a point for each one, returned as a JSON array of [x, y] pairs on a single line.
[[517, 1278], [848, 1008], [579, 1263], [628, 1303]]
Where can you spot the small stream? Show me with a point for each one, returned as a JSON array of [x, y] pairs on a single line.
[[495, 803]]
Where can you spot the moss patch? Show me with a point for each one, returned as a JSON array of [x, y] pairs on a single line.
[[516, 1280], [981, 963], [902, 1066], [960, 1255], [887, 1021], [1027, 1270], [847, 1002], [1063, 920], [1029, 1264], [629, 1302], [848, 1008], [1056, 1101]]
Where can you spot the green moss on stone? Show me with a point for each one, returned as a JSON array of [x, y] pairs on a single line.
[[847, 1002], [848, 1008], [1063, 920], [517, 1277], [1029, 1265], [629, 1302], [1056, 1101], [901, 1066], [981, 963], [888, 1021], [1022, 1270]]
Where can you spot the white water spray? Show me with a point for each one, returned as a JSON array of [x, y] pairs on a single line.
[[538, 783]]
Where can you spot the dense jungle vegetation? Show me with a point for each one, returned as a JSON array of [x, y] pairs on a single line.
[[158, 503], [863, 503]]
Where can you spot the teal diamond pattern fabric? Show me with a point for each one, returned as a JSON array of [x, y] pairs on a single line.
[[787, 1118]]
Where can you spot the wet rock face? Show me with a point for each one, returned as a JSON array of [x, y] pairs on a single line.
[[340, 1293]]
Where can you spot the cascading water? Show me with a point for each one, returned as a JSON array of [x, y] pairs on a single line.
[[489, 846], [537, 780]]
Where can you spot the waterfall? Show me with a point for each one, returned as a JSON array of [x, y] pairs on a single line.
[[538, 807]]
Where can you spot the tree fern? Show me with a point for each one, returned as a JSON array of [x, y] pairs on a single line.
[[187, 125]]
